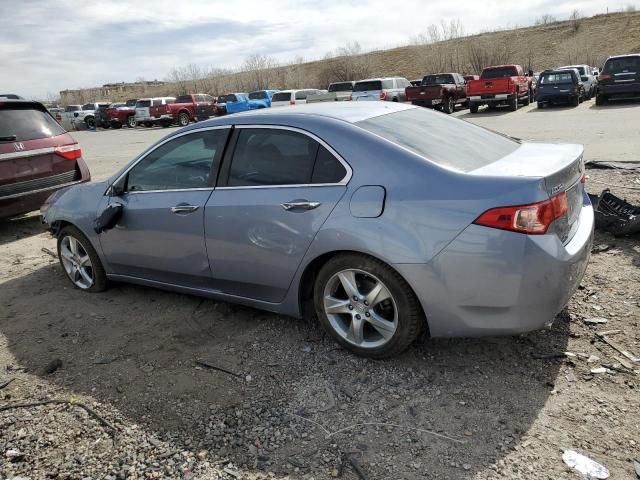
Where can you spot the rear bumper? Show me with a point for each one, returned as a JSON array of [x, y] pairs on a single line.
[[630, 89], [427, 102], [557, 98], [166, 116], [491, 98], [493, 282]]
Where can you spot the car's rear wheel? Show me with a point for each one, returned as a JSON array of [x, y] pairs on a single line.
[[366, 306], [131, 121], [540, 105], [449, 105], [116, 125], [600, 99], [513, 104], [90, 122], [473, 107], [183, 119], [575, 101], [527, 99], [80, 260]]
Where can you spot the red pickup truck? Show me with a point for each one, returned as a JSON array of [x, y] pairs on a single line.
[[183, 110], [119, 114], [442, 91], [500, 85]]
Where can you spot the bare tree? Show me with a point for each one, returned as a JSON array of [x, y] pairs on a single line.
[[576, 19], [438, 33], [346, 63], [259, 69], [483, 53], [546, 19]]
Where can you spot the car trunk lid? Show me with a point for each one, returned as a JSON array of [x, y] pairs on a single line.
[[561, 169]]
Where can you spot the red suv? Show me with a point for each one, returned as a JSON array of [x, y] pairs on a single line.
[[37, 157]]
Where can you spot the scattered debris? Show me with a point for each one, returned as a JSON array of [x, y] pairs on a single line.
[[603, 336], [6, 383], [57, 401], [599, 370], [548, 356], [595, 320], [624, 363], [593, 359], [52, 366], [202, 363], [14, 455], [571, 377], [603, 247], [613, 165], [636, 466], [233, 473], [49, 252], [585, 465], [357, 467], [615, 215]]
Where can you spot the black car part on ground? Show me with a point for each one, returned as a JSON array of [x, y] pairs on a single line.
[[615, 215]]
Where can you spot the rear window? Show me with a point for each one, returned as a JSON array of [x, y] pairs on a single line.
[[281, 97], [184, 99], [444, 140], [71, 108], [368, 86], [27, 124], [341, 87], [257, 95], [554, 78], [499, 72], [131, 103], [622, 65], [227, 98], [437, 79], [143, 103]]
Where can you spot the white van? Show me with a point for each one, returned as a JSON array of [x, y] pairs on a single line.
[[293, 97]]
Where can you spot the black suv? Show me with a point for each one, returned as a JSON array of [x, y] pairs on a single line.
[[620, 77]]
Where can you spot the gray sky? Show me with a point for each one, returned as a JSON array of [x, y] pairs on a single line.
[[50, 45]]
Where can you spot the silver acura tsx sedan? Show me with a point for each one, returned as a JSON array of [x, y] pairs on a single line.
[[381, 220]]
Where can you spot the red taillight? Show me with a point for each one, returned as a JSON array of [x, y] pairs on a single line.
[[383, 95], [69, 152], [533, 219], [292, 102], [603, 76]]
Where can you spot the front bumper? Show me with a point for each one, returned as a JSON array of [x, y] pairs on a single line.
[[494, 282]]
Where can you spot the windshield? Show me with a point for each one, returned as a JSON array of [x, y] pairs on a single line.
[[281, 97], [556, 78], [341, 87], [502, 72], [437, 79], [184, 99], [258, 95], [442, 139], [143, 103], [27, 123], [368, 86]]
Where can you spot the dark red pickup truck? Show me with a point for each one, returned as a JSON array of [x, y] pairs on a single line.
[[187, 108], [119, 114], [442, 91], [500, 85]]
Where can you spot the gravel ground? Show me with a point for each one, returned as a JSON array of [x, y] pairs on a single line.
[[290, 404]]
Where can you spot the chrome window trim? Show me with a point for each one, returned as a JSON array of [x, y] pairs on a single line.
[[26, 153], [149, 151], [345, 180]]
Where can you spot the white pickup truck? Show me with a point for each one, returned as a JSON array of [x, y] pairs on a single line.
[[82, 116], [338, 92]]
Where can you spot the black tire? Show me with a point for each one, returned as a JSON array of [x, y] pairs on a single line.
[[106, 126], [449, 105], [600, 100], [165, 123], [131, 121], [116, 125], [473, 107], [575, 101], [540, 105], [148, 124], [183, 119], [90, 122], [513, 104], [492, 107], [100, 282], [410, 319], [527, 99], [531, 95]]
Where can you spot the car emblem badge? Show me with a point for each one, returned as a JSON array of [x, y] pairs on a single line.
[[557, 188], [19, 146]]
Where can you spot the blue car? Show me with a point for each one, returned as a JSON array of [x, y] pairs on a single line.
[[253, 101], [560, 86], [380, 220]]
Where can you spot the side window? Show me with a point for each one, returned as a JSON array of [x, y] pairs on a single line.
[[185, 162], [327, 168], [302, 95], [272, 157], [387, 84]]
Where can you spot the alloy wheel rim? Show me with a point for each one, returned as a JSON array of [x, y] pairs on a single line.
[[184, 120], [76, 262], [132, 122], [360, 308]]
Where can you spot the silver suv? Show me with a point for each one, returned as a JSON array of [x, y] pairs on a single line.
[[589, 81], [390, 89]]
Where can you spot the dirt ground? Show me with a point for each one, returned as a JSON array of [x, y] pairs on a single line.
[[290, 403]]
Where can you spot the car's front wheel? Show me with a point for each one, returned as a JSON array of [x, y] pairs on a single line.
[[131, 121], [449, 105], [80, 260], [90, 122], [183, 119], [366, 306]]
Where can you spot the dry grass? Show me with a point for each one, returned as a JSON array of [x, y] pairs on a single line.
[[537, 47]]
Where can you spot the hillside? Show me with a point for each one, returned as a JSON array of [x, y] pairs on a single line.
[[589, 40]]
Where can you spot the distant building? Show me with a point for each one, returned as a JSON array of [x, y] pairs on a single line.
[[113, 92]]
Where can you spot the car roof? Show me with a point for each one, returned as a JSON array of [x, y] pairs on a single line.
[[625, 55], [22, 101], [350, 112]]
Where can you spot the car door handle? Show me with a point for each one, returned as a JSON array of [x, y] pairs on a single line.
[[300, 205], [184, 208]]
